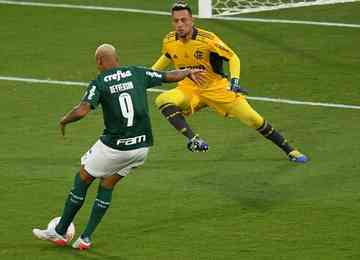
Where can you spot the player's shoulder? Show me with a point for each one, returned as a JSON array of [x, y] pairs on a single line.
[[148, 71], [205, 35], [170, 37], [139, 70], [133, 71], [98, 80], [113, 74]]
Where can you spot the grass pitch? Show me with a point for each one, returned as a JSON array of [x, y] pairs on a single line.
[[241, 200]]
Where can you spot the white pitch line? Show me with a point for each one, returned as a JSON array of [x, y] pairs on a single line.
[[294, 102], [286, 21], [44, 81], [56, 82], [85, 7], [130, 10], [266, 99]]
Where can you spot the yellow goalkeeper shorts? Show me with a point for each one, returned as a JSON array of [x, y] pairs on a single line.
[[190, 98]]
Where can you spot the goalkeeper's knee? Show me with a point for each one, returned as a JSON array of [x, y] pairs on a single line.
[[243, 111], [161, 100], [173, 96]]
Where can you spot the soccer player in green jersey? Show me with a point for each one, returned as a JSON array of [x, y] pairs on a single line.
[[124, 144]]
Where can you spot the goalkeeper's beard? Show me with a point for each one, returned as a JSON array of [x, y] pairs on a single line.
[[183, 35]]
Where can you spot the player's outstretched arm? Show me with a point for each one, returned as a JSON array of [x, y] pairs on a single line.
[[178, 75], [162, 63], [77, 113], [234, 68]]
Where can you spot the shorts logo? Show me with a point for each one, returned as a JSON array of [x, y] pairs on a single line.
[[199, 55], [132, 140]]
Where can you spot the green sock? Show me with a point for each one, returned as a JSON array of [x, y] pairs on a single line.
[[101, 204], [73, 204]]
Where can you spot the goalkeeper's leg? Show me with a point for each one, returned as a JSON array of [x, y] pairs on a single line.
[[172, 105], [242, 110]]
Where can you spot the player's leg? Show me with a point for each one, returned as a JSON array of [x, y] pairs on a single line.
[[113, 166], [73, 203], [241, 109], [273, 135], [75, 199], [100, 206], [172, 104]]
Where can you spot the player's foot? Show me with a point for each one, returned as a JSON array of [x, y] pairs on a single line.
[[50, 235], [296, 156], [82, 243], [196, 144]]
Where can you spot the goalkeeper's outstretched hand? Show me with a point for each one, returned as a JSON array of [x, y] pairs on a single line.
[[235, 87], [196, 76]]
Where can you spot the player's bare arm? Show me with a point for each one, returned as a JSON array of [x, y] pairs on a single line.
[[77, 113], [177, 75]]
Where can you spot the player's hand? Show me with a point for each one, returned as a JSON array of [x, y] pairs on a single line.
[[196, 75], [235, 87], [62, 126]]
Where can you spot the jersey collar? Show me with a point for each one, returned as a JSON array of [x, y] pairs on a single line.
[[195, 33]]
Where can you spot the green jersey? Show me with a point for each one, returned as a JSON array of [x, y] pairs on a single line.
[[122, 94]]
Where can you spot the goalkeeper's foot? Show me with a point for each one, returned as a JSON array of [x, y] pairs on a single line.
[[82, 243], [296, 156], [50, 235], [196, 144]]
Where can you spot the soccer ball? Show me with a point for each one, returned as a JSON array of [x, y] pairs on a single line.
[[70, 233]]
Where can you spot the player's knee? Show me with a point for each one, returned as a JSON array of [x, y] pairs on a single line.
[[111, 181], [85, 176], [257, 122], [254, 122], [174, 96], [162, 99]]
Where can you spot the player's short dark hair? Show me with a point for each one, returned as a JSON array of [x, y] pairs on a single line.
[[180, 5]]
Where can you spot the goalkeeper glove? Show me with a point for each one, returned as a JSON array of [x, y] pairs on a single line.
[[235, 86]]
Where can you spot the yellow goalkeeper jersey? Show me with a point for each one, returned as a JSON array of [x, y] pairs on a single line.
[[205, 51]]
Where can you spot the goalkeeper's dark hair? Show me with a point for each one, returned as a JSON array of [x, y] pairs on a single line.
[[180, 5]]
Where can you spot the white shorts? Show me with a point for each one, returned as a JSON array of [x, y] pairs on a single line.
[[102, 161]]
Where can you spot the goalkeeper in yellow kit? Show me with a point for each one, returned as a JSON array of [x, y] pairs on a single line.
[[191, 47]]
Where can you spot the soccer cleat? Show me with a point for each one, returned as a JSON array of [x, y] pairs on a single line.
[[50, 235], [196, 144], [296, 156], [82, 243]]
